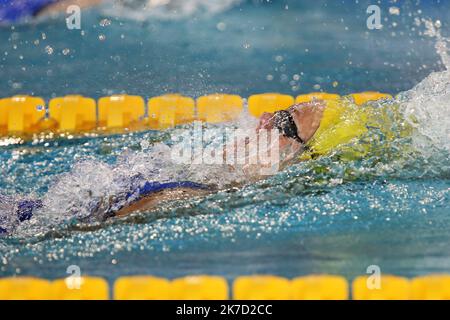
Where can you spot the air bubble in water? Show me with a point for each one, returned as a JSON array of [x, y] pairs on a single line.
[[394, 11], [279, 58], [66, 51], [145, 145], [101, 37], [221, 26], [49, 50], [17, 85], [105, 22]]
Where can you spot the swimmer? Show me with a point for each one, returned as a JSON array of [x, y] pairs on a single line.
[[295, 125], [14, 11]]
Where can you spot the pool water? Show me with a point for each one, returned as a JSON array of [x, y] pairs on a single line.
[[390, 209]]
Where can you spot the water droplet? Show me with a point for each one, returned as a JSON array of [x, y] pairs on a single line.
[[49, 50], [101, 37], [105, 22], [66, 51], [221, 26], [394, 11], [16, 85], [335, 84], [279, 58], [145, 145]]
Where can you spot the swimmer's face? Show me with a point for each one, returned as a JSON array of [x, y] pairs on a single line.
[[305, 117], [267, 122]]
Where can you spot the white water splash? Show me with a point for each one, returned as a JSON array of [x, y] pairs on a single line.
[[427, 105], [90, 182], [167, 9]]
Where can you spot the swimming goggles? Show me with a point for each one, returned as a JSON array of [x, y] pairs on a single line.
[[285, 124]]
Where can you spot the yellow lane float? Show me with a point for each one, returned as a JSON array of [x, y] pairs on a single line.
[[268, 102], [80, 288], [261, 288], [21, 114], [218, 108], [26, 115], [170, 110], [387, 287], [120, 111], [431, 287], [364, 97], [25, 288], [74, 113], [141, 288], [316, 96], [268, 287], [199, 288], [319, 287]]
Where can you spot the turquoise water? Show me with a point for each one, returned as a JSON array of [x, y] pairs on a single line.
[[323, 216]]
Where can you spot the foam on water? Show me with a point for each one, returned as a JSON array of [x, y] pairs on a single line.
[[427, 105], [73, 195], [167, 9]]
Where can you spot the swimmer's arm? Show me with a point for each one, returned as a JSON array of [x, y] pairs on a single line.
[[152, 201], [61, 6]]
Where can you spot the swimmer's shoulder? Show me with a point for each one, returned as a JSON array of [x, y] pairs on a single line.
[[152, 201]]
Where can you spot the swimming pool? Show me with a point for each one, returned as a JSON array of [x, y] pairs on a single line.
[[322, 216]]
